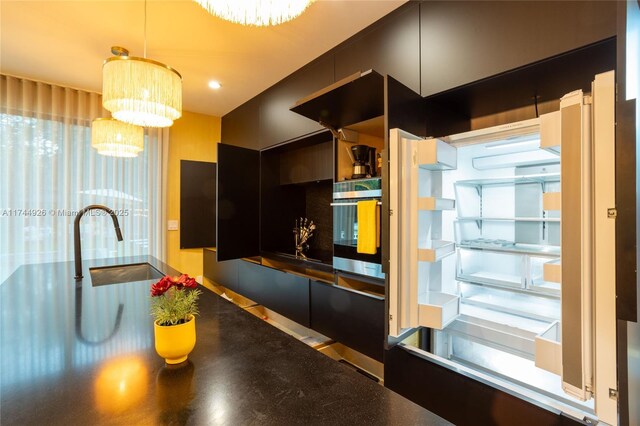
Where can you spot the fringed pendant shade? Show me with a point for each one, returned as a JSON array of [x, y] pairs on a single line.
[[141, 91], [115, 138], [256, 12]]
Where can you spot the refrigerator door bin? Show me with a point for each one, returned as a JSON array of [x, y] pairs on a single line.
[[551, 132], [436, 250], [549, 350], [434, 154], [433, 203], [436, 310]]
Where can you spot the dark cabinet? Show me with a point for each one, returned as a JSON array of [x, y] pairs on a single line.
[[277, 123], [222, 273], [465, 41], [241, 127], [286, 294], [390, 47], [351, 318], [238, 204], [309, 163], [295, 182]]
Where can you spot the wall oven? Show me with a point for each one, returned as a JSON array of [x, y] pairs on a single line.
[[346, 195]]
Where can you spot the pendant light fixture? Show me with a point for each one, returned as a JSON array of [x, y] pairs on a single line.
[[256, 12], [141, 91], [116, 138]]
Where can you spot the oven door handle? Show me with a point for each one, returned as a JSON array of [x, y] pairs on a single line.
[[349, 204]]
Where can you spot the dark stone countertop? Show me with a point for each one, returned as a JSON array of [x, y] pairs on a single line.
[[78, 354]]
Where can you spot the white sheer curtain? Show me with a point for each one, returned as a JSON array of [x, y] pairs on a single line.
[[48, 171]]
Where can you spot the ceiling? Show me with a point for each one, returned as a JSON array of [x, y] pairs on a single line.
[[65, 42]]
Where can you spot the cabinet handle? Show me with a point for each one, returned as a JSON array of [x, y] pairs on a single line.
[[349, 204], [372, 296]]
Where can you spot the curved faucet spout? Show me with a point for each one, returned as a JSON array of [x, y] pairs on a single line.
[[77, 250]]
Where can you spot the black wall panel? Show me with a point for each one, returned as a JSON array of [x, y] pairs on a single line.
[[197, 204], [464, 41]]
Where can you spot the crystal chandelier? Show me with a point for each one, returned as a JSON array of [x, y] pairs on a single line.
[[256, 12], [141, 91], [115, 138]]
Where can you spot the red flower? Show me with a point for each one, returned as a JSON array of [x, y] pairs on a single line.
[[187, 281], [159, 288], [166, 282]]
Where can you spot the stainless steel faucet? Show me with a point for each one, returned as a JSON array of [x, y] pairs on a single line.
[[76, 234]]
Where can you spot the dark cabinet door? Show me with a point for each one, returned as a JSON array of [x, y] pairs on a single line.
[[222, 273], [284, 293], [310, 163], [277, 123], [197, 204], [465, 41], [389, 47], [241, 127], [238, 217], [353, 319]]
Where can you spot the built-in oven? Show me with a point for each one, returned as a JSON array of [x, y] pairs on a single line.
[[346, 195]]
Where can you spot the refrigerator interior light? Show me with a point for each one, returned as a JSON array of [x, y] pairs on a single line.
[[530, 143], [520, 130], [534, 157]]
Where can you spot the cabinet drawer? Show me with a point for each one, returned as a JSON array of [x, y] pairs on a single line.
[[223, 273], [353, 319], [286, 294]]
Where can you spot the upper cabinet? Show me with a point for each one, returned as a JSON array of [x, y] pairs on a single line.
[[353, 99], [465, 41], [390, 46], [241, 127], [277, 123]]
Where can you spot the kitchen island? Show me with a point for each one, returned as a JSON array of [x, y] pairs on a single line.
[[72, 353]]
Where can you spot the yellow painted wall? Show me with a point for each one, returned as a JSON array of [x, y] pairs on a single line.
[[192, 137]]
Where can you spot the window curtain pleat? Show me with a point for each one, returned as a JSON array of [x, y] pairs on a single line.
[[49, 171]]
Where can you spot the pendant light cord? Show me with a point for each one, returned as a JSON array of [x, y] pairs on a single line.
[[145, 29]]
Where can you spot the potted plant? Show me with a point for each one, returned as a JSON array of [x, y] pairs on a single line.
[[174, 307]]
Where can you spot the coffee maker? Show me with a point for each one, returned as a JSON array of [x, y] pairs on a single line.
[[364, 161]]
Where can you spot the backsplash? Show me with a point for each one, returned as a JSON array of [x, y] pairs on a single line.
[[318, 197]]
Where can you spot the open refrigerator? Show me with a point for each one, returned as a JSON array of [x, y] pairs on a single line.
[[502, 244]]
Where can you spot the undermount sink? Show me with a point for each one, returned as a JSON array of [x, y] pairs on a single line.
[[118, 274]]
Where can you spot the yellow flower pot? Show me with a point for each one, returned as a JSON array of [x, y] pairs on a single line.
[[174, 343]]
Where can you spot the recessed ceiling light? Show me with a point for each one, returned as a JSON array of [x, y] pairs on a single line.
[[214, 84]]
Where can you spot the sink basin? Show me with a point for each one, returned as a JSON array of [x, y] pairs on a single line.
[[118, 274]]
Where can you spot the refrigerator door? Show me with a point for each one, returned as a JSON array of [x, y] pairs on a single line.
[[403, 307], [416, 248], [576, 245], [605, 382], [588, 323]]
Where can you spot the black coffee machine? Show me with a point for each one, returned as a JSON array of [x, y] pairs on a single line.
[[364, 161]]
